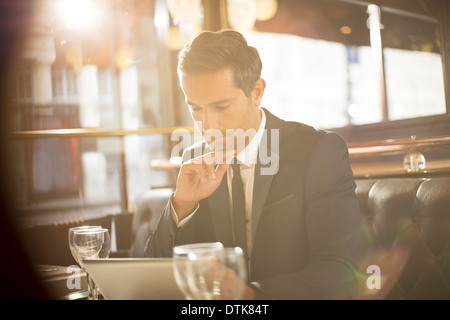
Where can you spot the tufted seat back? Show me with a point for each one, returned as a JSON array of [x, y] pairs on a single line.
[[407, 238], [148, 209]]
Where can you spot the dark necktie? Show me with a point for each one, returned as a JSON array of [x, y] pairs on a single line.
[[239, 220]]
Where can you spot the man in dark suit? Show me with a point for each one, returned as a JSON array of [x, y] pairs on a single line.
[[301, 230]]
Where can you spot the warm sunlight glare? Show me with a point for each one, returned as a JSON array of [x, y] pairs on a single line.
[[78, 14]]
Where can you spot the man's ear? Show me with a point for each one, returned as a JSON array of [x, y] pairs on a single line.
[[258, 91]]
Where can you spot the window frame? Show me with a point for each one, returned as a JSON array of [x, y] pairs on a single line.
[[429, 126], [425, 126]]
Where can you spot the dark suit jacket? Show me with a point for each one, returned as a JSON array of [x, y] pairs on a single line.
[[306, 228]]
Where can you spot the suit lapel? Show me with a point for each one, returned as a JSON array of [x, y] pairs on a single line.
[[260, 190], [263, 180]]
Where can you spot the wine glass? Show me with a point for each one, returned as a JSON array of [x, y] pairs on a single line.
[[217, 275], [204, 273], [181, 261], [71, 232], [70, 235], [90, 243], [234, 279]]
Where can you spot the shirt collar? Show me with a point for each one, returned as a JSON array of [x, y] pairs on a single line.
[[248, 155]]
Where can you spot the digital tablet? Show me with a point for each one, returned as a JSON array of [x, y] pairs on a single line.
[[134, 278]]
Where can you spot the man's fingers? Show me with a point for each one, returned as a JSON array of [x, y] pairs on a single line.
[[201, 170], [212, 165], [224, 157], [214, 158], [203, 166], [221, 170]]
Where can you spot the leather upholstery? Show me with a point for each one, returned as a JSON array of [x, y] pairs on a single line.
[[148, 208], [407, 235], [407, 229], [49, 244]]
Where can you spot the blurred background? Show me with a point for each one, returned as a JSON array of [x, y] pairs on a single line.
[[90, 97]]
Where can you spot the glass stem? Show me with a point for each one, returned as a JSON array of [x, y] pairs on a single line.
[[92, 290]]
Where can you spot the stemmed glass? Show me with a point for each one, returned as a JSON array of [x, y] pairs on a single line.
[[89, 243], [217, 275], [70, 235], [75, 255], [181, 264], [235, 277]]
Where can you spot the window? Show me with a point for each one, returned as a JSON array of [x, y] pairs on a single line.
[[64, 86], [321, 83], [24, 85], [94, 65], [393, 71], [414, 83]]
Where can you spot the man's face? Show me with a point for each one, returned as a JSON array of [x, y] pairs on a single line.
[[219, 108]]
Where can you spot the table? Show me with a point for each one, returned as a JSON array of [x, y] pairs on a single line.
[[63, 282]]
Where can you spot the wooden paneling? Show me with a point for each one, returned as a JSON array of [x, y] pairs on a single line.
[[374, 159]]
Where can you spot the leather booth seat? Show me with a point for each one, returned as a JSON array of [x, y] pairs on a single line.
[[407, 238], [148, 208], [406, 225]]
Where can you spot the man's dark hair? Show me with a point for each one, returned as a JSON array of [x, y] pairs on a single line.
[[210, 51]]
